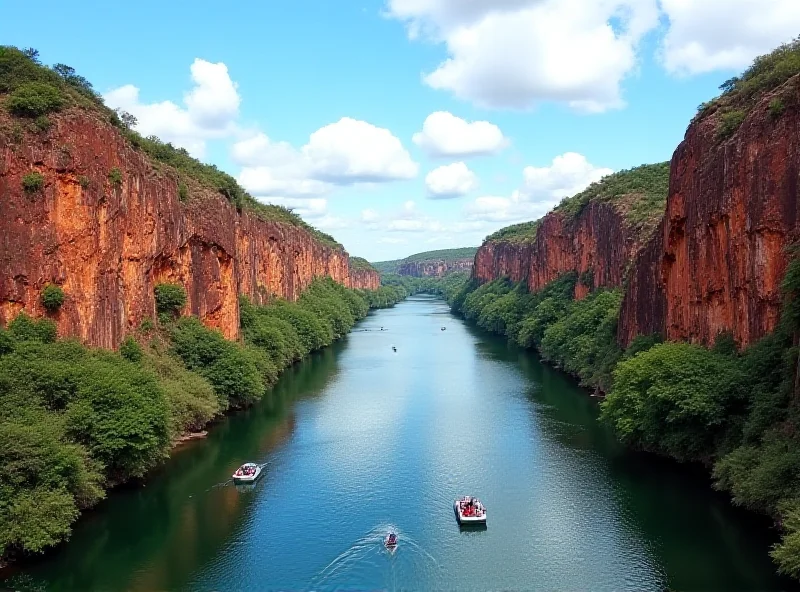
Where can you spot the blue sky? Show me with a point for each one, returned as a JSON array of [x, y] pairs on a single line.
[[315, 104]]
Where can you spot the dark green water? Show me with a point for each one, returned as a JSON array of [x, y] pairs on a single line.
[[359, 439]]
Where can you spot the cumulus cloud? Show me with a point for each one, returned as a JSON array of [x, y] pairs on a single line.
[[541, 190], [342, 153], [452, 180], [514, 53], [724, 34], [210, 111], [444, 134]]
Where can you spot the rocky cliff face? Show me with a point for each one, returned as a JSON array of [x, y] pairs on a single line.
[[597, 243], [107, 244], [717, 261], [434, 268]]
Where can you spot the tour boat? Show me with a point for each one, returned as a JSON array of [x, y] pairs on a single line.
[[247, 473], [390, 541], [469, 510]]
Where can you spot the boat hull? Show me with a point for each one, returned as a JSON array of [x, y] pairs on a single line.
[[468, 520], [240, 479]]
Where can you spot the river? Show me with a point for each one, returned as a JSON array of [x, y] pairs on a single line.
[[359, 439]]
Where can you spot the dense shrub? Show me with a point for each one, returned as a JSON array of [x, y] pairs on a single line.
[[170, 299], [32, 99], [115, 177], [729, 122], [131, 350], [32, 182], [52, 297]]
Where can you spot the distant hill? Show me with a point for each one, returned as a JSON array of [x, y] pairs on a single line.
[[429, 263]]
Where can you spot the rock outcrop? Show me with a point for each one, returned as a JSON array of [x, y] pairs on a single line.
[[598, 243], [718, 258], [108, 241], [434, 268]]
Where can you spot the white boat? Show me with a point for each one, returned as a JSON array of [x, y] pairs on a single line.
[[247, 473], [469, 510]]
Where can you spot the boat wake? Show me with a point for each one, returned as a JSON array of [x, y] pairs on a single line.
[[358, 563]]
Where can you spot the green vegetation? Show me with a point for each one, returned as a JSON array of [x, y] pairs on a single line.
[[170, 299], [397, 287], [767, 73], [183, 192], [776, 108], [33, 99], [517, 233], [640, 193], [42, 123], [75, 421], [32, 182], [115, 177], [361, 264], [576, 335], [83, 180], [391, 267], [729, 122], [736, 412], [34, 89], [52, 297]]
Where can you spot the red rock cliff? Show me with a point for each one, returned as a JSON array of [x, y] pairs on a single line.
[[597, 241], [108, 245], [434, 268], [717, 261]]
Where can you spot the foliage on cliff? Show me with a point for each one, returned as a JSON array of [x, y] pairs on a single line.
[[391, 267], [735, 411], [360, 263], [524, 232], [446, 287], [74, 420], [29, 89], [766, 73], [576, 335], [639, 193]]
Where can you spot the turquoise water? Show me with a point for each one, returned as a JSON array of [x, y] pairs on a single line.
[[359, 439]]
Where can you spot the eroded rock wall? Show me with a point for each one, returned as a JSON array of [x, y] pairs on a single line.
[[717, 262], [107, 245], [434, 268]]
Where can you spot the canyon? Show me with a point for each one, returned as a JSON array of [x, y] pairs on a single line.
[[715, 261], [434, 268], [109, 224]]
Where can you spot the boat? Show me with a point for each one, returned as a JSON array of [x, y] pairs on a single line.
[[247, 473], [390, 542], [469, 510], [444, 328], [394, 348]]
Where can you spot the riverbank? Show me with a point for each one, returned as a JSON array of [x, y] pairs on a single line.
[[109, 417], [451, 412]]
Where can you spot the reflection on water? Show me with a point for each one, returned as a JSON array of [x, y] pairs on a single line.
[[361, 440]]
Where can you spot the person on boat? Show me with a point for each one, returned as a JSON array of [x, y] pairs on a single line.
[[392, 539]]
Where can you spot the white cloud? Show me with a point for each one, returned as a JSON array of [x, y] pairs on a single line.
[[342, 153], [444, 134], [369, 215], [706, 35], [452, 180], [542, 189], [351, 151], [410, 219], [392, 240], [211, 109], [568, 174], [514, 53]]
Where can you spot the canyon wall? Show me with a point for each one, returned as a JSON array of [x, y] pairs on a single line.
[[717, 258], [717, 261], [436, 268], [597, 243], [108, 244]]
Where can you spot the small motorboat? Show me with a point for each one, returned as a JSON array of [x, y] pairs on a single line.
[[444, 328], [390, 542], [247, 473], [394, 349], [469, 510]]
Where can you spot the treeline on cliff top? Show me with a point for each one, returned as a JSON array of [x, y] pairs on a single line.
[[33, 93], [734, 411], [446, 287], [640, 194], [75, 421], [440, 255]]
